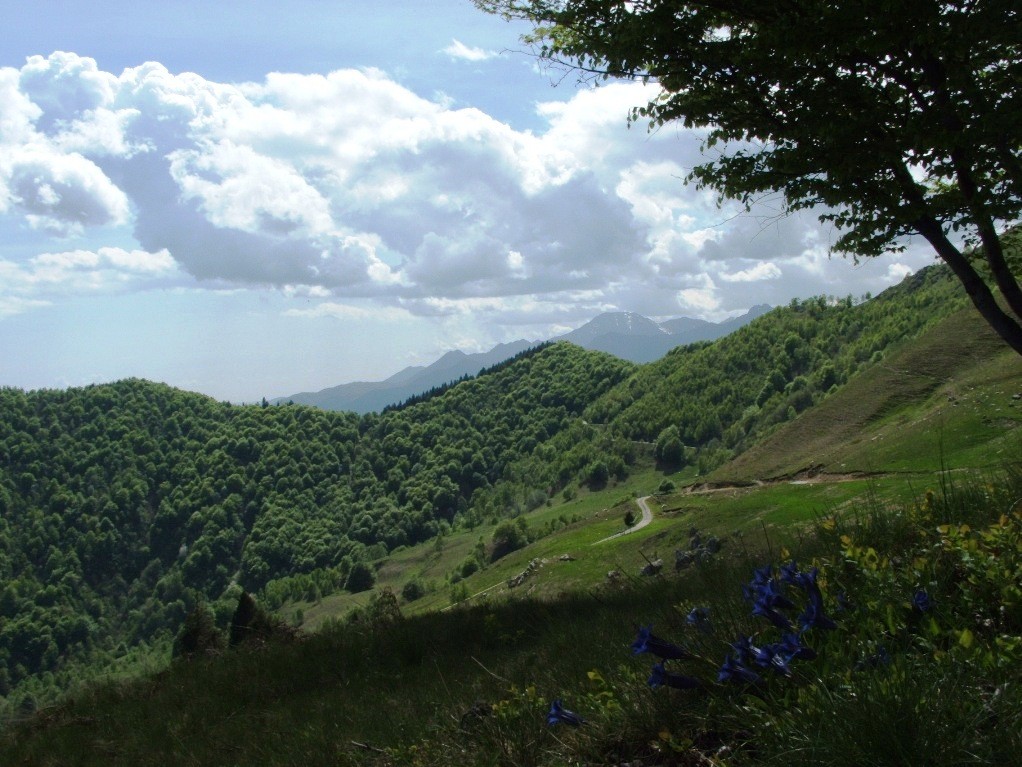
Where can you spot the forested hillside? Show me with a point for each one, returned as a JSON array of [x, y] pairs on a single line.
[[124, 505], [720, 398]]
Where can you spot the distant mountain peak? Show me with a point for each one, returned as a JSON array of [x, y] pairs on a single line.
[[624, 323], [639, 339], [627, 335], [366, 397]]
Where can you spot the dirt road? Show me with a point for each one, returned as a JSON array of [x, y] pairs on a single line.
[[647, 517]]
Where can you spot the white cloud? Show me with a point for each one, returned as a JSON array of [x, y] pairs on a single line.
[[699, 300], [61, 193], [237, 188], [128, 261], [49, 276], [765, 270], [897, 272], [44, 176], [348, 185], [17, 112], [11, 305], [349, 312], [458, 50], [65, 85]]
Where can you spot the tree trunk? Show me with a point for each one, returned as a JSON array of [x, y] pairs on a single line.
[[979, 293]]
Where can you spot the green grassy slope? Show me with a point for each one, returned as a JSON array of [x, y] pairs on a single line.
[[945, 399], [390, 692], [730, 393]]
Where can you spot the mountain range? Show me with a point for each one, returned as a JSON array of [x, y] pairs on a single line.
[[627, 335]]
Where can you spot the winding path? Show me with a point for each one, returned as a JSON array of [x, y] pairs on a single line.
[[647, 517]]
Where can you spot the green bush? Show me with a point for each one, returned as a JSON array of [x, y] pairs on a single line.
[[413, 590], [198, 635], [507, 537], [360, 578]]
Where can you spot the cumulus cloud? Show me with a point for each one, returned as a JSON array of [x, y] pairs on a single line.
[[458, 50], [61, 193], [764, 270], [349, 186], [49, 276], [43, 175]]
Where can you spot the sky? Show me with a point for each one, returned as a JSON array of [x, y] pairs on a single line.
[[251, 198]]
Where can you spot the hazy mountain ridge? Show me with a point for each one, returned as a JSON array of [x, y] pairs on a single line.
[[627, 335], [639, 339], [371, 396]]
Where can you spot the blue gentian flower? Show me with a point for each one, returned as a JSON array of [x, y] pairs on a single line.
[[779, 655], [662, 676], [779, 660], [761, 576], [732, 670], [772, 595], [646, 641], [814, 617], [745, 650], [789, 572], [807, 582], [700, 618], [764, 591], [763, 656], [791, 645], [921, 601], [762, 609], [559, 714]]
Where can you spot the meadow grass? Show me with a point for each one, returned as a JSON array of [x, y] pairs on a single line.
[[946, 400], [922, 665]]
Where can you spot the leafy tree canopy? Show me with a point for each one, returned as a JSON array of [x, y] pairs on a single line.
[[891, 119]]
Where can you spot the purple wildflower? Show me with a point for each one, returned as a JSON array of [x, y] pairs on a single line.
[[921, 601], [559, 714], [744, 649], [646, 641], [789, 572], [791, 645], [732, 670], [662, 677], [762, 609], [814, 617]]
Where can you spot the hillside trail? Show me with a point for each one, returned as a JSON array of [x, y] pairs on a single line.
[[803, 478], [647, 517]]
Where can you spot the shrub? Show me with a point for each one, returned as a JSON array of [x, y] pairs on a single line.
[[468, 566], [413, 590], [198, 634], [251, 622], [360, 578], [507, 537]]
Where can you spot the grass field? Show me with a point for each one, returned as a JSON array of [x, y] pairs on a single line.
[[947, 400]]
